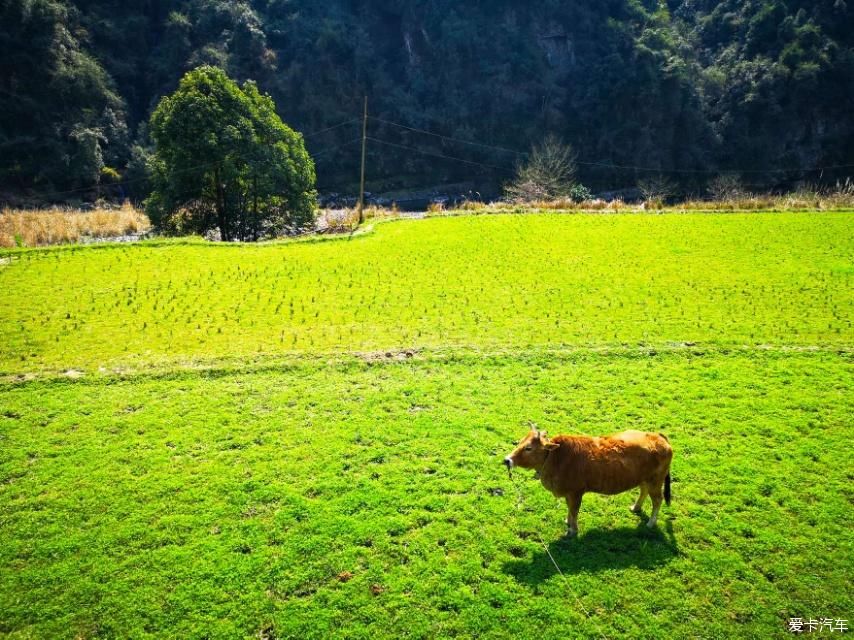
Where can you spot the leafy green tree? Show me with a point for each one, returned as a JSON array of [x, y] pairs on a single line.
[[224, 159]]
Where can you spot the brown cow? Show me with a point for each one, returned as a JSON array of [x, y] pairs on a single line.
[[570, 466]]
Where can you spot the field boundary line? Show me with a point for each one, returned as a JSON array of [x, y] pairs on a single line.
[[261, 363]]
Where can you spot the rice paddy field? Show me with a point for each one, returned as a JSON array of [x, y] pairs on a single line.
[[304, 439]]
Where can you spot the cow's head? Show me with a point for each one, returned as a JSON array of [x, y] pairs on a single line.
[[531, 453]]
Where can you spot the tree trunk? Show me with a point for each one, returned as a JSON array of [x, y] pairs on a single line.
[[255, 208], [222, 218]]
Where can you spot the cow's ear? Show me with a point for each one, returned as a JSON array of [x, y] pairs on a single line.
[[551, 446]]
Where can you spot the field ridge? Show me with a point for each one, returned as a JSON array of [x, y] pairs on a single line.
[[223, 366]]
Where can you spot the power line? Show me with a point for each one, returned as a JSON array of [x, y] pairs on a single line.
[[182, 170], [84, 189], [610, 165], [329, 150], [440, 155], [444, 137], [332, 128], [600, 165]]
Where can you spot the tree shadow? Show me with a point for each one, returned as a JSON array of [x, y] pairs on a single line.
[[599, 550]]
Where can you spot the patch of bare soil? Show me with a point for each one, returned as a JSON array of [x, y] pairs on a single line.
[[386, 356]]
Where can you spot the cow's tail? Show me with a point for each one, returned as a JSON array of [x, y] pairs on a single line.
[[667, 477]]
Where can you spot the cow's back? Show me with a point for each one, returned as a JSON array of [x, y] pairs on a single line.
[[607, 465]]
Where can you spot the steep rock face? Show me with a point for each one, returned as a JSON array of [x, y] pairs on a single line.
[[682, 84], [557, 46]]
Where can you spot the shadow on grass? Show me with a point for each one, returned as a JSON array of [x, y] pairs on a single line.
[[599, 550]]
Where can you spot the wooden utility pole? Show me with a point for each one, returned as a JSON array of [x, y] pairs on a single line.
[[364, 148]]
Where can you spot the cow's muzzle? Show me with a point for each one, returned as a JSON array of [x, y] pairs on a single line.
[[508, 462]]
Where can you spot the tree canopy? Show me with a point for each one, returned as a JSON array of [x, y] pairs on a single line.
[[682, 88], [224, 159]]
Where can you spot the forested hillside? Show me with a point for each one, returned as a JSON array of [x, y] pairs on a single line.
[[685, 88]]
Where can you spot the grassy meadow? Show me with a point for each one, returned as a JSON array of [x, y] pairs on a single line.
[[303, 440]]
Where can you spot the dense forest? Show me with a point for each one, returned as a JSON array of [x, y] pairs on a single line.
[[683, 88]]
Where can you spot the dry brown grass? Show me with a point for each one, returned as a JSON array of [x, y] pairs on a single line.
[[567, 204], [375, 212], [471, 205], [346, 220], [337, 220], [727, 195], [40, 227], [840, 197], [561, 204], [797, 201]]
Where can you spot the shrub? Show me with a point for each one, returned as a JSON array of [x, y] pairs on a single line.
[[549, 173], [580, 193], [725, 187], [108, 175], [656, 190]]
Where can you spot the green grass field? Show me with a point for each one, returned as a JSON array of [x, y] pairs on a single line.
[[498, 282], [304, 440]]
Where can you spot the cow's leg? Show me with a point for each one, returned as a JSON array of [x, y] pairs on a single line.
[[655, 492], [638, 505], [573, 503]]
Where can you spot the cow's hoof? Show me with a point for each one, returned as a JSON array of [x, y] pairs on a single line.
[[571, 533], [634, 508], [651, 524]]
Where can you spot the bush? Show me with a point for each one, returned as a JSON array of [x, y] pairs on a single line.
[[108, 175], [549, 173], [725, 187], [580, 193], [656, 190]]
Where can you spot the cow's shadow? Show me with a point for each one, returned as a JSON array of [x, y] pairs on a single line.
[[598, 550]]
